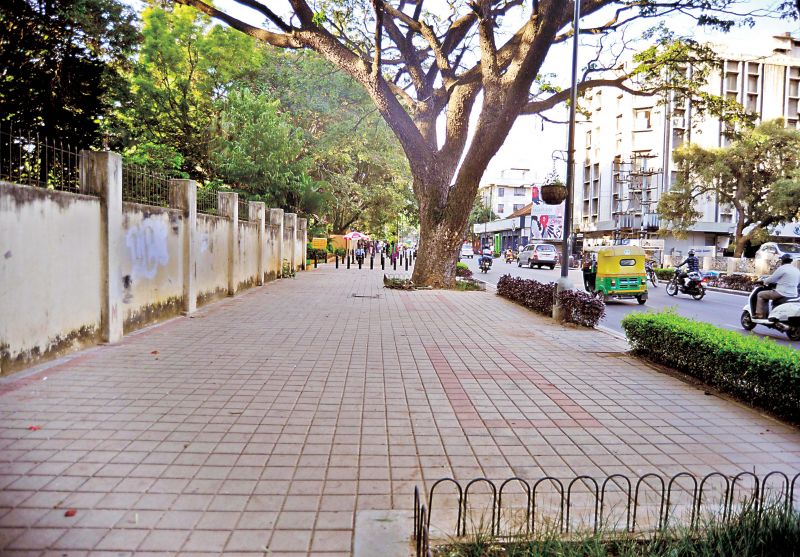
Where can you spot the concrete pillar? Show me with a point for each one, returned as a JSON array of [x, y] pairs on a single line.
[[707, 263], [301, 242], [101, 175], [228, 206], [731, 265], [257, 215], [276, 242], [289, 241], [183, 196]]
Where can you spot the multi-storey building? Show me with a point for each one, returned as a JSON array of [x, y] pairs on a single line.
[[624, 151], [509, 193]]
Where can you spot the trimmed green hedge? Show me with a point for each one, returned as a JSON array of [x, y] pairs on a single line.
[[756, 370], [665, 273]]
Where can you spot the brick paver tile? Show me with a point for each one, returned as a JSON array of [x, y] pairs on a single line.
[[269, 421]]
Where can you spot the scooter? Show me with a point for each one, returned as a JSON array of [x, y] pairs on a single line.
[[485, 264], [784, 317], [693, 288]]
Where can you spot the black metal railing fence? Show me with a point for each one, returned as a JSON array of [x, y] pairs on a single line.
[[31, 159], [141, 184], [244, 209], [617, 504]]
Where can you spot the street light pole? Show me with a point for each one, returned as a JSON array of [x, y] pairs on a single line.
[[564, 282]]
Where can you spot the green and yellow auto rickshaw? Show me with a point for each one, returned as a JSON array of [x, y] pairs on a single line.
[[616, 272]]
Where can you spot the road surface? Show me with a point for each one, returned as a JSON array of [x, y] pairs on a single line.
[[718, 308]]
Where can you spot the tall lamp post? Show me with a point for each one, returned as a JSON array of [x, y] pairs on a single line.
[[564, 282]]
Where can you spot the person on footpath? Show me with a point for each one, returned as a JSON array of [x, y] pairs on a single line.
[[786, 279]]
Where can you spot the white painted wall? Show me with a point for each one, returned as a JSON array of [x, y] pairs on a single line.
[[211, 268], [247, 262], [49, 271]]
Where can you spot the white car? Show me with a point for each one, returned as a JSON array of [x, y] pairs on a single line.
[[772, 251], [467, 251]]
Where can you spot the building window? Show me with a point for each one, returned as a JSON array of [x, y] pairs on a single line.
[[501, 192], [518, 206], [642, 118], [500, 208], [519, 191]]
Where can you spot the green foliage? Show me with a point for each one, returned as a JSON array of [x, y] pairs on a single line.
[[480, 213], [577, 307], [758, 174], [61, 63], [755, 370], [287, 269], [350, 151], [184, 66], [665, 273], [463, 270]]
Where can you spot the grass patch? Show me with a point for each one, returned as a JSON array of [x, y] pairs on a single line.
[[773, 532]]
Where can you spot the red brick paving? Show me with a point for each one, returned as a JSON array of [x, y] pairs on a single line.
[[269, 419]]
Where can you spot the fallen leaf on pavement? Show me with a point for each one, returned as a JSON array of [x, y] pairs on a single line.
[[34, 427], [154, 352], [71, 512]]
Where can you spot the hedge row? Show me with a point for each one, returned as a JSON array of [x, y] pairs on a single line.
[[755, 370], [463, 270], [577, 306]]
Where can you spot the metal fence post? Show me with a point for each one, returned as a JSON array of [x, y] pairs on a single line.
[[348, 262]]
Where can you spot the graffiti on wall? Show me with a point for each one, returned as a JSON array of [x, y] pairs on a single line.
[[147, 247]]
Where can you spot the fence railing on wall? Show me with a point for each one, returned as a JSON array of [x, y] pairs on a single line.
[[244, 209], [31, 159], [207, 201], [144, 185]]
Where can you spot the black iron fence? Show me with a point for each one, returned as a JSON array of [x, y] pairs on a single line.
[[34, 160], [518, 508], [244, 209], [207, 201], [141, 184]]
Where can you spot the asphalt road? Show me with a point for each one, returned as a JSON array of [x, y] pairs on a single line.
[[718, 308]]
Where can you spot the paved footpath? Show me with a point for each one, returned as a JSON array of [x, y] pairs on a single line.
[[269, 419]]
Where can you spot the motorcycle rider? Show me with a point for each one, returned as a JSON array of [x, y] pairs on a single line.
[[786, 279], [692, 265], [486, 255]]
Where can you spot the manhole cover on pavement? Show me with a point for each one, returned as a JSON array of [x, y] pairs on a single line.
[[366, 295]]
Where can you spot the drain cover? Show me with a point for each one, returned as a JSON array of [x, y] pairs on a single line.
[[366, 295]]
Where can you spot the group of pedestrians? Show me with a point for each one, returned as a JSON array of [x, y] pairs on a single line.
[[375, 248]]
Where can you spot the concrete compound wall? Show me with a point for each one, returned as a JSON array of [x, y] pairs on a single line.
[[211, 264], [79, 269], [150, 264], [50, 253]]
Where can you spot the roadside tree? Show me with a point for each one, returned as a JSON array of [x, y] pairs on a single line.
[[758, 175]]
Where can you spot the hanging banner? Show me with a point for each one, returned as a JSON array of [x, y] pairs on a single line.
[[547, 221]]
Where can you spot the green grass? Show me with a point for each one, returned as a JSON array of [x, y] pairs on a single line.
[[772, 533]]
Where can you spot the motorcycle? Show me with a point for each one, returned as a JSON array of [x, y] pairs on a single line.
[[694, 288], [783, 317], [510, 257], [485, 264], [651, 274]]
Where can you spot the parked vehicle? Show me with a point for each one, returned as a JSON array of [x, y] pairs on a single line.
[[651, 273], [538, 255], [467, 251], [485, 264], [783, 316], [616, 272], [773, 251], [693, 285]]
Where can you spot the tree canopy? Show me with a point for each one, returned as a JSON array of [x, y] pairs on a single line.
[[420, 63], [758, 174], [61, 64]]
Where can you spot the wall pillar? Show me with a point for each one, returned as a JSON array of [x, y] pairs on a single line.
[[301, 242], [276, 242], [289, 240], [228, 206], [101, 175], [257, 215], [183, 196]]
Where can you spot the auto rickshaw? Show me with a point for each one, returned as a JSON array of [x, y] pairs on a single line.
[[616, 272]]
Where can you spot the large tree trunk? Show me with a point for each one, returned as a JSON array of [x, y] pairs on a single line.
[[443, 221]]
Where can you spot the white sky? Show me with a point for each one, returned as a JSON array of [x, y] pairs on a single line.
[[531, 141]]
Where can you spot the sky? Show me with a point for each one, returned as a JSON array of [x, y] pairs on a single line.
[[531, 142]]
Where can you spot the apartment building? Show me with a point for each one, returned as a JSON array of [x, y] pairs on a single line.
[[624, 151], [509, 192]]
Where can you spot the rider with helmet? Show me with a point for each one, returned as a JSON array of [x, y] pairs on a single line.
[[786, 279], [692, 265]]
